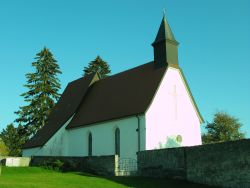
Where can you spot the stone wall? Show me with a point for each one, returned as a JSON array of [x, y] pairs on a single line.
[[100, 165], [162, 163], [223, 164]]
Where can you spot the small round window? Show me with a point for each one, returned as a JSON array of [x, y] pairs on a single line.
[[179, 138]]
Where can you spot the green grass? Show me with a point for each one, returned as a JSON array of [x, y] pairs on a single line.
[[41, 178]]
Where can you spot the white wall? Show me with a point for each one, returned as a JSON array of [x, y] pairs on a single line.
[[31, 151], [17, 161], [103, 138], [169, 116], [74, 142], [57, 145]]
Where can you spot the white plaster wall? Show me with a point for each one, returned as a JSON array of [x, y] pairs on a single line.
[[169, 116], [17, 161], [57, 145], [30, 152], [74, 142], [103, 138]]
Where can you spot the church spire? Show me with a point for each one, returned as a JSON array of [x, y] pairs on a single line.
[[165, 46]]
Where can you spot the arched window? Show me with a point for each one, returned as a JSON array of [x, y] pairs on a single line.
[[90, 144], [117, 141]]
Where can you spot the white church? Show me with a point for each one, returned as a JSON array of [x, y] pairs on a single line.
[[144, 108]]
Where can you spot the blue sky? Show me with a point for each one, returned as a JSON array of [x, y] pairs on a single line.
[[214, 49]]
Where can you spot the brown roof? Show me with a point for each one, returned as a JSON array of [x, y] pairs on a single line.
[[64, 109], [124, 94]]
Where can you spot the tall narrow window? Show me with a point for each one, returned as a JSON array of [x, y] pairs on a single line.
[[117, 141], [90, 144]]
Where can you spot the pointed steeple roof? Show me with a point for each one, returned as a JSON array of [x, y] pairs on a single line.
[[165, 46], [165, 32]]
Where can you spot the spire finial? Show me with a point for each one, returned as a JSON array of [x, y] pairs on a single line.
[[164, 12]]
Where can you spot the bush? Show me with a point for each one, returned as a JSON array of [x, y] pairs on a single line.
[[2, 162], [56, 165]]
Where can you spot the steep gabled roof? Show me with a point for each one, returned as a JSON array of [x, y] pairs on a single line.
[[121, 95], [64, 109]]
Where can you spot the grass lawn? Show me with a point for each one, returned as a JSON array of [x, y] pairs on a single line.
[[37, 177]]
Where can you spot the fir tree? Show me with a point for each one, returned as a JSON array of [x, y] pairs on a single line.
[[98, 65], [43, 87]]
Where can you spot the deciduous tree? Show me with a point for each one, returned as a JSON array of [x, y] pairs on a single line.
[[223, 128], [13, 137], [4, 150]]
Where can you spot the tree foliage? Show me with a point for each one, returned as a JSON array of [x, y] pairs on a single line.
[[4, 150], [42, 92], [98, 65], [223, 128], [13, 138]]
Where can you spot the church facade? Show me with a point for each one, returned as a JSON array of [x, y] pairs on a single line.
[[147, 107]]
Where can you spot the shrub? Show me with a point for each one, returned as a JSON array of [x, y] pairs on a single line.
[[56, 165]]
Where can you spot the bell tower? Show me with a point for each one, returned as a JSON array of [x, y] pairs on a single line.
[[165, 46]]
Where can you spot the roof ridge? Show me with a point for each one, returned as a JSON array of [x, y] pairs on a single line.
[[113, 74], [83, 77], [125, 71], [133, 68]]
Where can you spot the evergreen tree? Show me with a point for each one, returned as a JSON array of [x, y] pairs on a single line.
[[43, 87], [223, 128], [13, 139], [98, 65]]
